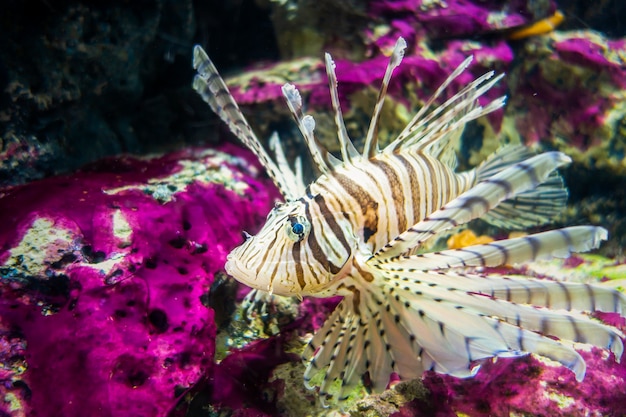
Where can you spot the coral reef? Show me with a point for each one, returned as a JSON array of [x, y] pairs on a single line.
[[527, 386], [105, 277], [569, 91], [437, 19]]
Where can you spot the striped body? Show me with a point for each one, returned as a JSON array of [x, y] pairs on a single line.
[[358, 208], [357, 229], [384, 196]]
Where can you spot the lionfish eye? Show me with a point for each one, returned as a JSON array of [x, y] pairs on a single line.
[[297, 228]]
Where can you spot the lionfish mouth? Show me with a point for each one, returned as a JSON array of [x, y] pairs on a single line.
[[233, 266], [238, 270]]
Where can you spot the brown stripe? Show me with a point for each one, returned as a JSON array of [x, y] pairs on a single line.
[[332, 223], [432, 181], [298, 264], [396, 192], [369, 207], [415, 192], [273, 274], [318, 222], [316, 249], [265, 255], [382, 191], [312, 267], [274, 255], [356, 300], [367, 276], [336, 200]]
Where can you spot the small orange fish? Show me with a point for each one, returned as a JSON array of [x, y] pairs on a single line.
[[540, 27]]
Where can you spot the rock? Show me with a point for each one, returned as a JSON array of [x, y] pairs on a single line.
[[103, 274]]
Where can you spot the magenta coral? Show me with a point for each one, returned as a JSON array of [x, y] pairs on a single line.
[[526, 386], [571, 91], [594, 54], [417, 19], [103, 277]]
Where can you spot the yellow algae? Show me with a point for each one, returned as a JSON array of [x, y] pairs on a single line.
[[467, 238]]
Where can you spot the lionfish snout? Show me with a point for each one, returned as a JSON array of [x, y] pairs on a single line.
[[252, 264], [237, 268]]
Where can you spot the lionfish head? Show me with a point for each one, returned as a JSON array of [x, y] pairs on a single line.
[[295, 253]]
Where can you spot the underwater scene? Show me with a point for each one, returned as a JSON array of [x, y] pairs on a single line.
[[358, 208]]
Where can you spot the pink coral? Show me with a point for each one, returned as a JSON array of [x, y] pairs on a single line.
[[570, 91], [526, 386], [104, 273], [418, 19]]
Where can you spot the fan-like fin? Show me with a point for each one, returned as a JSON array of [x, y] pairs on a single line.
[[484, 196], [533, 207], [553, 294], [422, 111], [550, 294], [371, 139], [554, 243], [455, 337], [360, 340], [213, 90], [432, 130], [478, 295], [321, 157], [348, 151], [445, 149], [407, 321], [459, 110]]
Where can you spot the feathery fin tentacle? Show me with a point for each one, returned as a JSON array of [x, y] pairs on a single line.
[[306, 123], [371, 139], [554, 243], [348, 151], [213, 90]]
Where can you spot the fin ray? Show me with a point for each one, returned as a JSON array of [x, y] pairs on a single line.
[[434, 130], [529, 208], [348, 151], [371, 139], [475, 295], [293, 179], [213, 90], [306, 123], [553, 243]]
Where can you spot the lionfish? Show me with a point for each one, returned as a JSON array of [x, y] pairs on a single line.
[[360, 231]]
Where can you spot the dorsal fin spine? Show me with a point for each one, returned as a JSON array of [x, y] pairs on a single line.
[[348, 151], [213, 90], [306, 123], [371, 140]]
